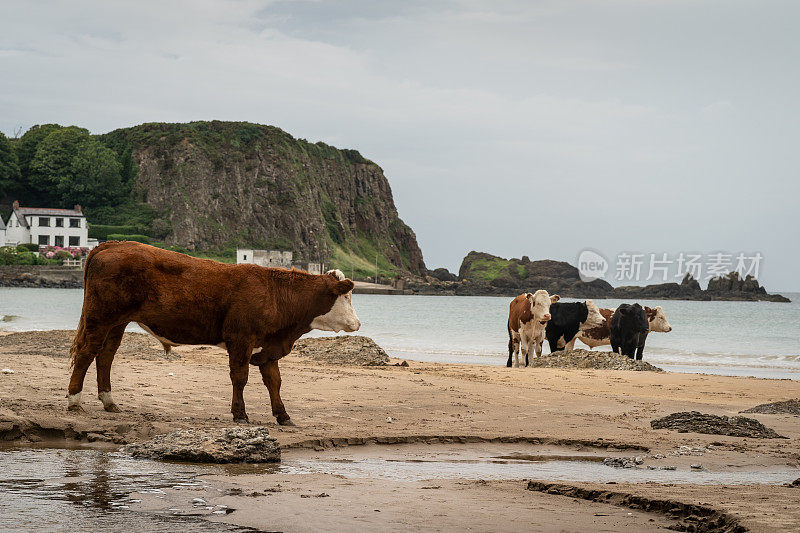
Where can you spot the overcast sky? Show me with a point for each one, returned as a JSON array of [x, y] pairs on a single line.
[[516, 128]]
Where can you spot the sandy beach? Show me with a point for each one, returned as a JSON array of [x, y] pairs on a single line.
[[371, 410]]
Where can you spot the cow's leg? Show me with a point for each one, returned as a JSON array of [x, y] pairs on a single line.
[[629, 349], [552, 340], [239, 362], [615, 348], [513, 346], [524, 346], [88, 342], [271, 375], [640, 348], [570, 345], [103, 364]]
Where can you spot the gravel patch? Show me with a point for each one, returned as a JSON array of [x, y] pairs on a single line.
[[789, 407], [599, 360], [695, 422], [342, 350], [56, 343]]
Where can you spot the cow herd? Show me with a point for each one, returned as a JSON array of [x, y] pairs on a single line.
[[183, 300], [534, 317]]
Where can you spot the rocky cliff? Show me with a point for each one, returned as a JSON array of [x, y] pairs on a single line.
[[226, 184], [487, 274]]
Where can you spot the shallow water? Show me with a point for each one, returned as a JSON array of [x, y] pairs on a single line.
[[50, 489], [736, 338], [88, 490], [544, 469]]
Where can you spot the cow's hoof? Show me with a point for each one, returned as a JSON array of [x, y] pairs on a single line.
[[286, 422], [75, 408], [241, 421], [112, 408]]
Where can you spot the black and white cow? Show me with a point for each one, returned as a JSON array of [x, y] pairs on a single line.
[[568, 319], [629, 329]]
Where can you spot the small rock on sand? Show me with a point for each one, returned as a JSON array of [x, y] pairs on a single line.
[[221, 445], [622, 462], [600, 360], [695, 422], [789, 407], [342, 350]]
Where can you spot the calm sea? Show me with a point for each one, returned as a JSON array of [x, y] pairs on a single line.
[[736, 338]]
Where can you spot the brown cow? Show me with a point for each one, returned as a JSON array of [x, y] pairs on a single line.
[[527, 317], [184, 300], [601, 335]]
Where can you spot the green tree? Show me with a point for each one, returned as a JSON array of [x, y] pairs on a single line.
[[26, 146], [71, 167], [9, 170]]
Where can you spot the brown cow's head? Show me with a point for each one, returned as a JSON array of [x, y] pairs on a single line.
[[594, 318], [540, 305], [341, 316], [657, 319]]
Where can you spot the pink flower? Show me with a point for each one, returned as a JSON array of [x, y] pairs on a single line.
[[49, 255]]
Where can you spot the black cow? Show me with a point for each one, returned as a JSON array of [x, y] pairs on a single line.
[[629, 329], [567, 319]]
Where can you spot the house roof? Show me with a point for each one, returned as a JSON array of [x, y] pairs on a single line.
[[48, 211], [23, 212], [2, 224]]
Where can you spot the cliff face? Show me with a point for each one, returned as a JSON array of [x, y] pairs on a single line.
[[225, 184]]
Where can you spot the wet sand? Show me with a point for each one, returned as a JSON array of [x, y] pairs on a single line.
[[605, 412]]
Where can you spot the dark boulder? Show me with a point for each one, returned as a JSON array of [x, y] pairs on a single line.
[[442, 274], [695, 422]]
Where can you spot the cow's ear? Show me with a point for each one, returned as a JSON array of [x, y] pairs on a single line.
[[554, 298], [343, 287], [336, 274]]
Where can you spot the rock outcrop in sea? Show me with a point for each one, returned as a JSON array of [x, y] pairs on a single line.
[[483, 274]]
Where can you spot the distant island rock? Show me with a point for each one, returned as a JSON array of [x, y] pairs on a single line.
[[483, 274]]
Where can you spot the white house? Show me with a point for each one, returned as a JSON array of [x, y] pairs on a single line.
[[2, 232], [48, 227], [267, 258]]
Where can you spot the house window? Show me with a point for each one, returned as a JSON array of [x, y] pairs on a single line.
[[59, 222], [44, 222], [74, 223], [60, 240], [245, 257], [74, 241], [44, 240]]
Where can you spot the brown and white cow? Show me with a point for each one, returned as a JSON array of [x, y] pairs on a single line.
[[600, 336], [184, 300], [527, 318]]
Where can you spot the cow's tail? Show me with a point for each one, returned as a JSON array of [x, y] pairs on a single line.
[[79, 341], [510, 346]]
